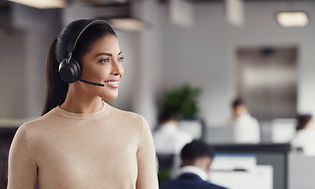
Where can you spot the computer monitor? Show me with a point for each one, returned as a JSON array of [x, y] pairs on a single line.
[[282, 130], [194, 127], [219, 135]]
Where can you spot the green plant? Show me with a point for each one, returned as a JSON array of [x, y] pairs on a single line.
[[181, 102]]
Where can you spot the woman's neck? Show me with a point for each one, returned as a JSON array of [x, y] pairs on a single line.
[[77, 102]]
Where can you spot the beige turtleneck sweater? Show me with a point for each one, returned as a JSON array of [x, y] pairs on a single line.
[[108, 149]]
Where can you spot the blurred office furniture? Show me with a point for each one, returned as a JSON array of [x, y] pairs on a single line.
[[196, 128], [238, 162], [165, 160], [233, 170], [301, 171], [277, 130], [236, 171], [267, 80], [273, 131], [272, 159], [282, 130], [166, 163], [265, 132], [219, 135], [6, 136]]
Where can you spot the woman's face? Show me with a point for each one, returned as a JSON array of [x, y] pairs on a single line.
[[103, 64]]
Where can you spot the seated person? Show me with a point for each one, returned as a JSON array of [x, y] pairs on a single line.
[[305, 135], [196, 160], [246, 127], [169, 139]]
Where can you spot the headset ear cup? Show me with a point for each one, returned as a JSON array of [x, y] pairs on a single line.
[[69, 71], [76, 68]]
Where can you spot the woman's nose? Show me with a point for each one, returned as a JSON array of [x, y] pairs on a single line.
[[116, 68]]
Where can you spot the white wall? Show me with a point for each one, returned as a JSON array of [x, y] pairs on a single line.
[[204, 54], [23, 54], [149, 65], [12, 87], [40, 28]]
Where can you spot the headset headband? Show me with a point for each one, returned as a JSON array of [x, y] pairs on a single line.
[[73, 41]]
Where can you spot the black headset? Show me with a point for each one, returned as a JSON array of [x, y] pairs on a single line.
[[69, 68]]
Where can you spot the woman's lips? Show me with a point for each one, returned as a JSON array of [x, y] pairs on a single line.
[[112, 83]]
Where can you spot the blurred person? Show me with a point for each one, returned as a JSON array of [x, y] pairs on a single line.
[[196, 159], [168, 138], [305, 135], [169, 141], [245, 126], [81, 141]]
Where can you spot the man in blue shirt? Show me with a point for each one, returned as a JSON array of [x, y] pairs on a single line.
[[196, 160]]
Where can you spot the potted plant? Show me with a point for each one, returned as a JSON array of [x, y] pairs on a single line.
[[182, 102]]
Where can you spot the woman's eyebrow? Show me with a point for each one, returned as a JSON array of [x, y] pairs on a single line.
[[107, 54]]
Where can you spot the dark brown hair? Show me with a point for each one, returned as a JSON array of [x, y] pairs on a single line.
[[57, 89], [196, 149], [238, 101]]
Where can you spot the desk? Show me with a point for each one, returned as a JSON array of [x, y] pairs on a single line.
[[275, 155]]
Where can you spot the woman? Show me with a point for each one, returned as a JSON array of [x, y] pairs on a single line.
[[80, 141]]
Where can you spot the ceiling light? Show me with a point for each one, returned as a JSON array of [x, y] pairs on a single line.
[[41, 4], [292, 19]]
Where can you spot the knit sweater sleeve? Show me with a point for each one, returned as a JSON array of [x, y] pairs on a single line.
[[147, 175], [22, 170]]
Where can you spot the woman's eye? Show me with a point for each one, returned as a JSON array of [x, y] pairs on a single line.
[[121, 59], [104, 60]]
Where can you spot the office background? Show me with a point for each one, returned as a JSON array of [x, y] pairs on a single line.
[[181, 42], [161, 56]]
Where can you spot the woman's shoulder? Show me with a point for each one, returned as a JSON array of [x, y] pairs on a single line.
[[129, 116], [28, 128], [37, 122], [126, 114]]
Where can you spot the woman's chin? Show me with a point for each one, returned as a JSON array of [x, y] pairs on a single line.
[[109, 97]]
